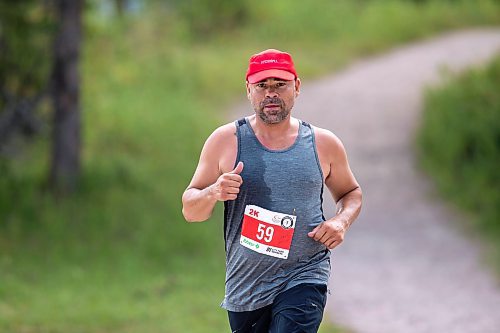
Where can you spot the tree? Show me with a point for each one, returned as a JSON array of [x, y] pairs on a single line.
[[66, 148]]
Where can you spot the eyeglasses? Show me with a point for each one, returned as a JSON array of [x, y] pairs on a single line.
[[278, 86]]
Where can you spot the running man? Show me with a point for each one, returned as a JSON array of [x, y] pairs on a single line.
[[270, 169]]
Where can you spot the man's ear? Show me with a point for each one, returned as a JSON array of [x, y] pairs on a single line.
[[248, 89], [297, 87]]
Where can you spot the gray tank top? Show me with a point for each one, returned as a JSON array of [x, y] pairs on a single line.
[[282, 190]]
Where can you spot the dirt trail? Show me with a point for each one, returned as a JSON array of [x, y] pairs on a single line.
[[404, 267]]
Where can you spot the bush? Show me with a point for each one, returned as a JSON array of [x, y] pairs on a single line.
[[459, 143]]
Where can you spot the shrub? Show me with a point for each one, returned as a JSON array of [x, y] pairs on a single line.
[[459, 142]]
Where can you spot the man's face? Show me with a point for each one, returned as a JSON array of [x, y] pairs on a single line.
[[273, 99]]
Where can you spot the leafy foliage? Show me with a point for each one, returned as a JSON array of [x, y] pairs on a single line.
[[460, 143], [208, 17], [26, 33]]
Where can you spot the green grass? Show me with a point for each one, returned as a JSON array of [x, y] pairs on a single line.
[[460, 148], [327, 327], [117, 256]]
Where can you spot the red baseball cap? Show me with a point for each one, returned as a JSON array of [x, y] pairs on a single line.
[[270, 63]]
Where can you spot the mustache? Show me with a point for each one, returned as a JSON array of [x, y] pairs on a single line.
[[272, 100]]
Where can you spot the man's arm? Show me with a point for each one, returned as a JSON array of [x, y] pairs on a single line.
[[344, 188], [210, 183]]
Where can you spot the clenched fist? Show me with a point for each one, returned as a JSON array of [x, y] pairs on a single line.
[[228, 184], [330, 233]]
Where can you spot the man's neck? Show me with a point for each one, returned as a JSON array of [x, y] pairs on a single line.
[[263, 129], [275, 136]]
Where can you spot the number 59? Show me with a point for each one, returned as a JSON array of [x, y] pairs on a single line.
[[265, 233]]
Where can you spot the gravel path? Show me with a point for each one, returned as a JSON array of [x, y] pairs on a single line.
[[404, 267]]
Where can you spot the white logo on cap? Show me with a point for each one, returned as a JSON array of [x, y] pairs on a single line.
[[269, 61]]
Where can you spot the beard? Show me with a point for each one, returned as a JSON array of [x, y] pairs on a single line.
[[272, 116]]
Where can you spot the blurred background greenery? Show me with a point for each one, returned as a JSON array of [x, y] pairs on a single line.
[[459, 147], [115, 255]]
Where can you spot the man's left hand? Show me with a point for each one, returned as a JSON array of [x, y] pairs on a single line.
[[330, 233]]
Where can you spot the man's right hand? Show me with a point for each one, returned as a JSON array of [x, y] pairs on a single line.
[[228, 184]]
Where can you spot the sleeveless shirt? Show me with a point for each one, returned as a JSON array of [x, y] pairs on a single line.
[[288, 181]]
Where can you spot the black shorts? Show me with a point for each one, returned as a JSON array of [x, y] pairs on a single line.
[[299, 309]]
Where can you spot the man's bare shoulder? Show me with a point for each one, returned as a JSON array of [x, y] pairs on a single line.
[[327, 139], [220, 149], [223, 134]]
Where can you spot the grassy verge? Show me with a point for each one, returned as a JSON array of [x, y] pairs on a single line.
[[327, 327], [117, 256], [460, 148]]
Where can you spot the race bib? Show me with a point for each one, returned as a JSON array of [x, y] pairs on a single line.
[[267, 232]]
